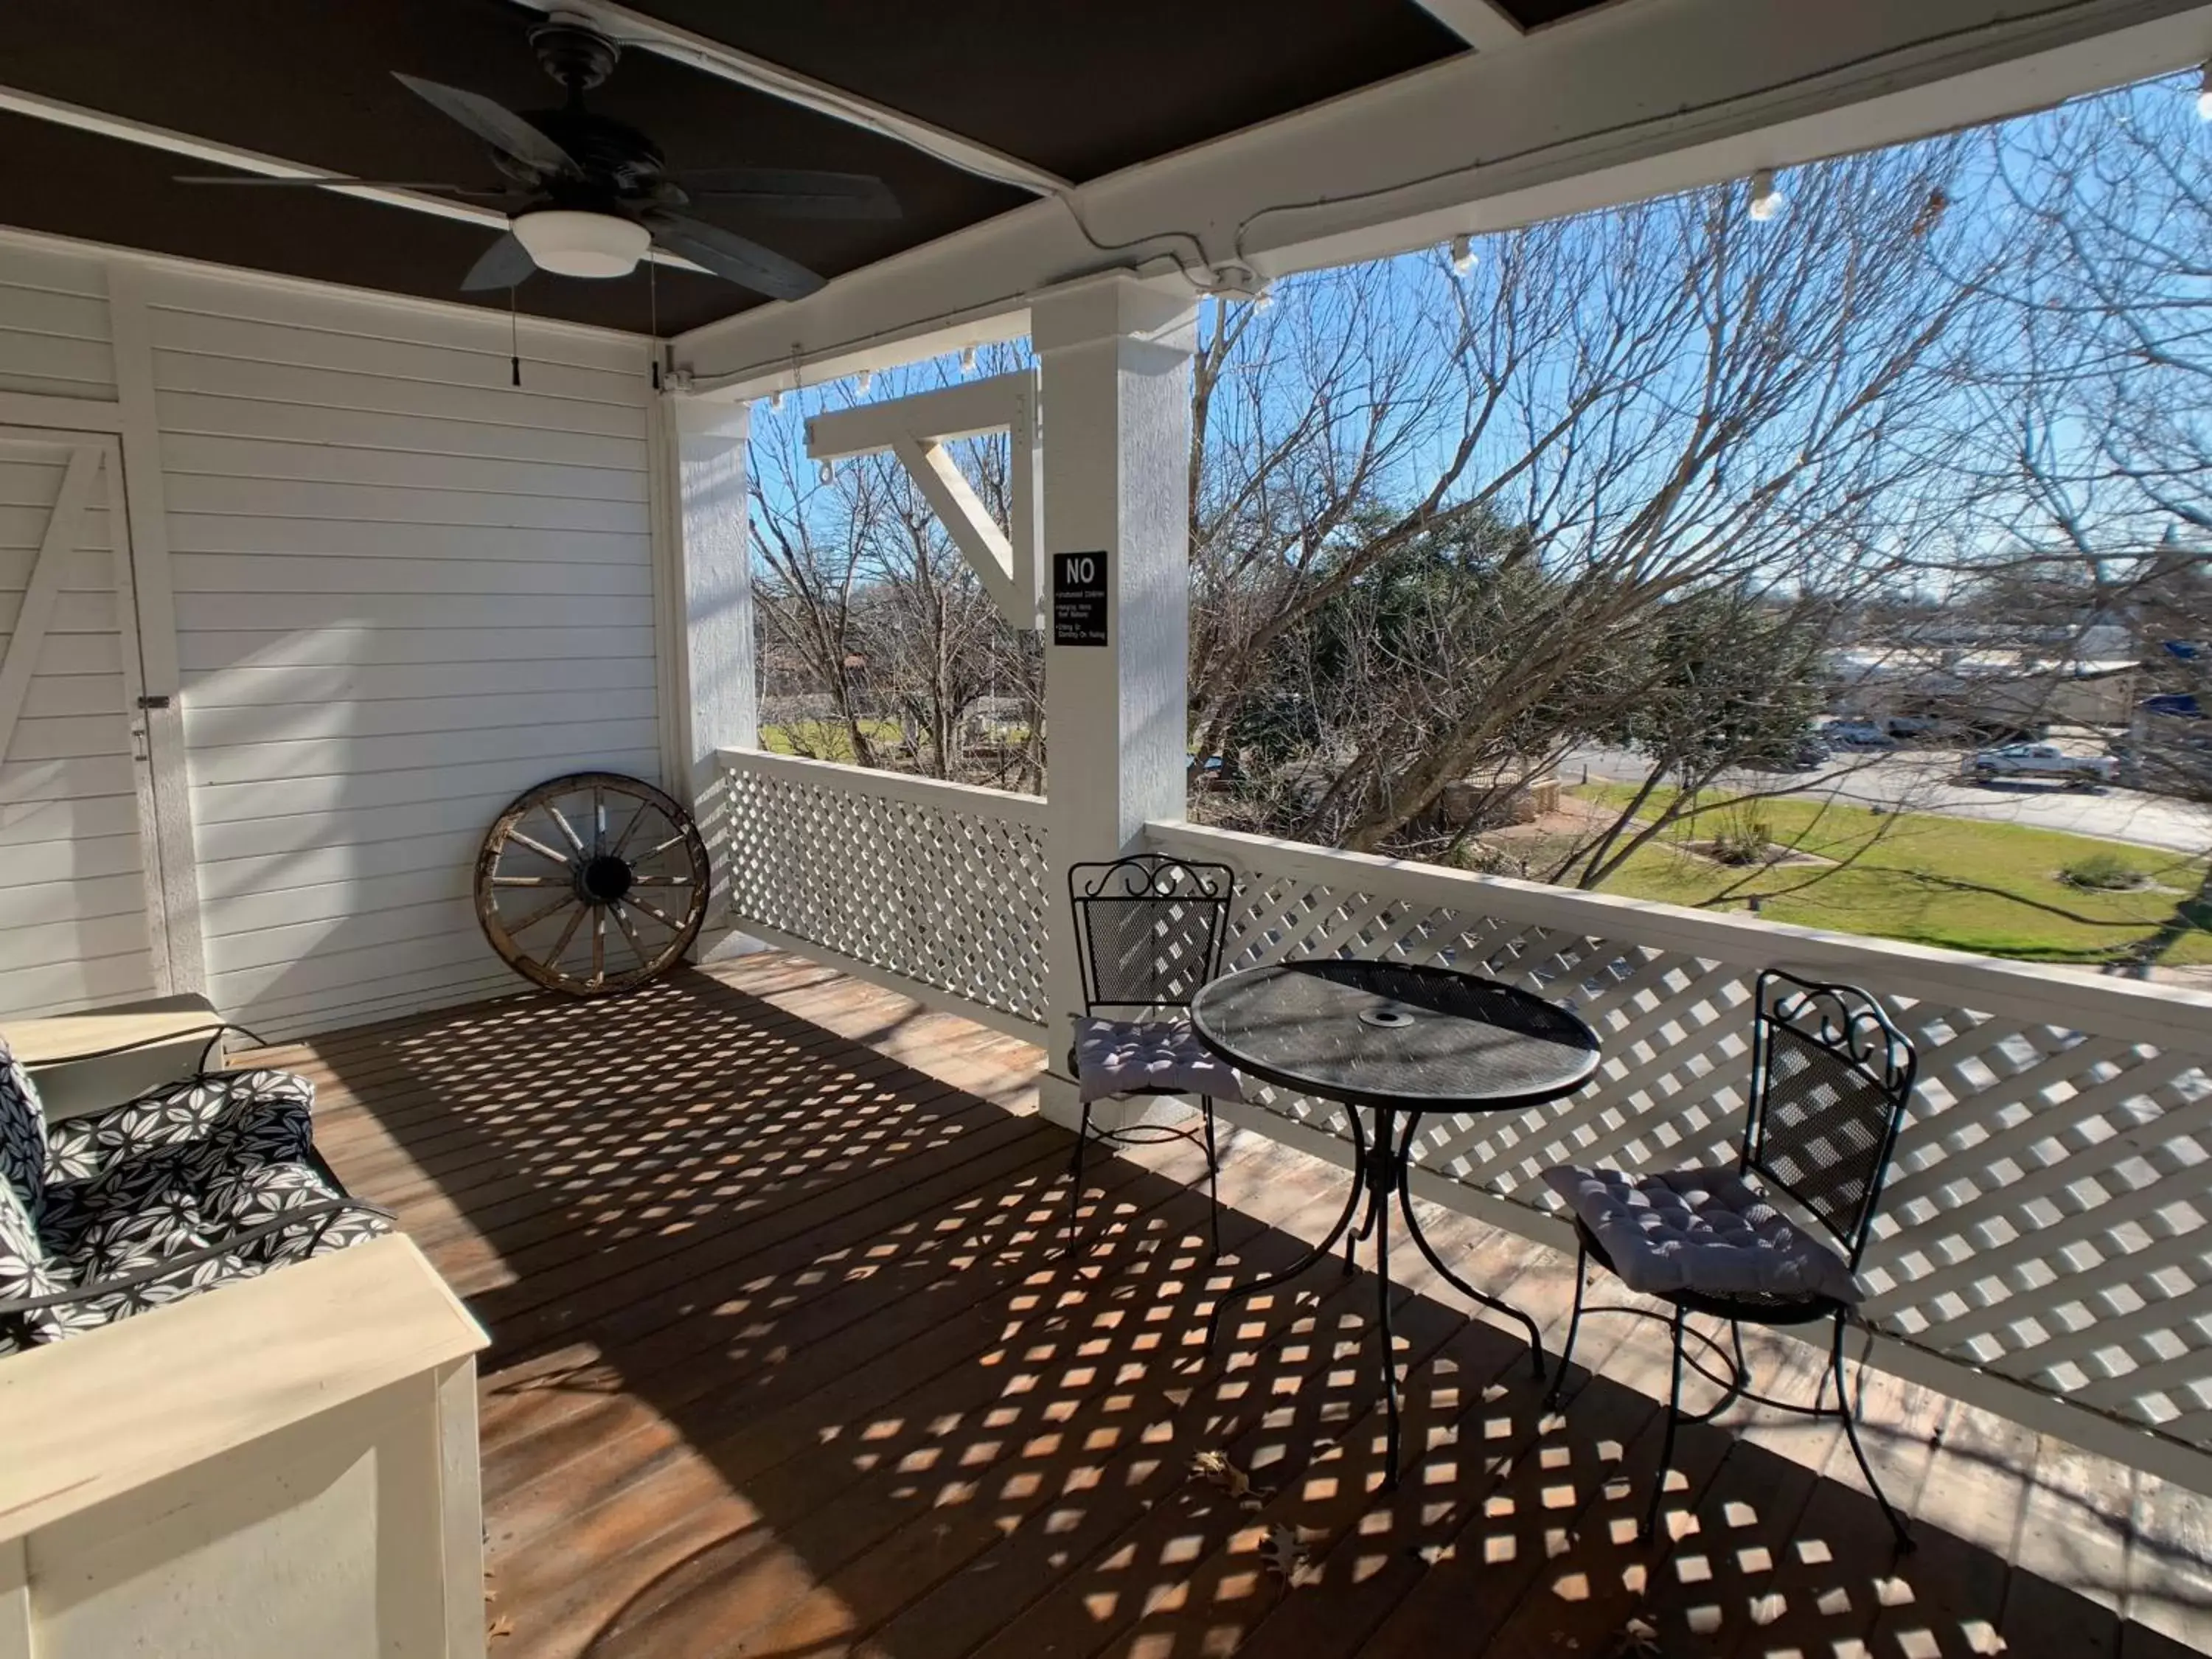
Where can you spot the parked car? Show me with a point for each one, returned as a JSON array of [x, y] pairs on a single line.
[[2045, 760], [1800, 756], [1855, 734]]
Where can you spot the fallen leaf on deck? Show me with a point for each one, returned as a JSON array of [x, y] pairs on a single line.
[[499, 1626], [1638, 1640], [1284, 1553], [1216, 1468]]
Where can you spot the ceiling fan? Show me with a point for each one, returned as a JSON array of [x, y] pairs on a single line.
[[589, 195]]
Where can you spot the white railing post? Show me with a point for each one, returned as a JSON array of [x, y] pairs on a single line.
[[716, 699], [1115, 357]]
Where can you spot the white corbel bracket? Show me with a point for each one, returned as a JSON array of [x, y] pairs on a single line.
[[915, 430]]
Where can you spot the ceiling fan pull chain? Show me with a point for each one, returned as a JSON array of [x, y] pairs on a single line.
[[513, 335], [652, 318]]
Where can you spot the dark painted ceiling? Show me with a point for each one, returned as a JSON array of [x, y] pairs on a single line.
[[1082, 88], [1534, 13], [1077, 87]]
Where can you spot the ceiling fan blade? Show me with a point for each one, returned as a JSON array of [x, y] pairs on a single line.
[[496, 124], [504, 265], [260, 181], [733, 257], [801, 192]]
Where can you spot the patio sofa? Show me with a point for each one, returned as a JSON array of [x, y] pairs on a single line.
[[191, 1185]]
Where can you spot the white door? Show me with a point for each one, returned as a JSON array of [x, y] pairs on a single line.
[[76, 796]]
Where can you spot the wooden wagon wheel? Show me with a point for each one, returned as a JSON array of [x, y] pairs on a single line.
[[591, 883]]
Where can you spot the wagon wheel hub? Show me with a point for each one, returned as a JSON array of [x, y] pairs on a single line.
[[606, 879]]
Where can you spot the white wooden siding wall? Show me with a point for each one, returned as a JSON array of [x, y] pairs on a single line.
[[72, 895], [72, 886], [54, 337], [406, 591]]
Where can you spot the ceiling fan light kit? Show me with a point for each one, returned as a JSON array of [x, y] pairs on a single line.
[[568, 243]]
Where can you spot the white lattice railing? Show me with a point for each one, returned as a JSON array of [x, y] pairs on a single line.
[[2048, 1221], [937, 889], [2044, 1246]]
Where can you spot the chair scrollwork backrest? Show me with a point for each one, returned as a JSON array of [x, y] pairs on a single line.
[[1831, 1076], [1149, 928]]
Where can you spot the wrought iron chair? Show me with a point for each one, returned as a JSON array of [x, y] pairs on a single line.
[[1832, 1076], [1148, 931]]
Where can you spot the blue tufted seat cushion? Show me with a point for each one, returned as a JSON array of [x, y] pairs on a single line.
[[1161, 1056], [1705, 1231]]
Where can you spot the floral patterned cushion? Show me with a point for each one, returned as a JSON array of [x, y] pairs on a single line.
[[167, 1178], [23, 1268], [265, 1112]]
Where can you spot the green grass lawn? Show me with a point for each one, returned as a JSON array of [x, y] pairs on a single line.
[[824, 739], [1955, 882]]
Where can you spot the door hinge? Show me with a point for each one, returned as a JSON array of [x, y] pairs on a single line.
[[159, 700]]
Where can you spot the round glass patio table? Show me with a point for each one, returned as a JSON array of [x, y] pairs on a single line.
[[1398, 1040]]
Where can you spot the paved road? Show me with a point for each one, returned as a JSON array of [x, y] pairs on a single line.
[[1926, 780]]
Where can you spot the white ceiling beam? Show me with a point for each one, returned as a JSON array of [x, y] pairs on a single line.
[[1634, 102], [1477, 22], [186, 145], [914, 429], [634, 29], [966, 410]]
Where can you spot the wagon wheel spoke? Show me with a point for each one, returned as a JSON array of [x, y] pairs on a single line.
[[560, 946], [637, 817], [567, 830], [538, 847], [656, 913], [531, 881], [629, 933], [598, 946], [536, 916], [663, 881]]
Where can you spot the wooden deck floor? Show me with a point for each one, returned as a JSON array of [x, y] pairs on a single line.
[[786, 1362]]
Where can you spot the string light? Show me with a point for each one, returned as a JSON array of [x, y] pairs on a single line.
[[861, 382], [1765, 199], [2204, 93], [968, 360], [1265, 297], [826, 476], [1462, 254], [776, 399]]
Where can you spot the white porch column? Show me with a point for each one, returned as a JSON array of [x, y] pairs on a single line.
[[716, 696], [1115, 358]]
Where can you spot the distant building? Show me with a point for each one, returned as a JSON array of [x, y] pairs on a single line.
[[2088, 679]]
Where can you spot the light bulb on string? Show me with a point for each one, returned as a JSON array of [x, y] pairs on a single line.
[[826, 475], [968, 360], [1765, 199], [776, 399], [863, 381], [1462, 254], [2204, 93], [1265, 297]]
